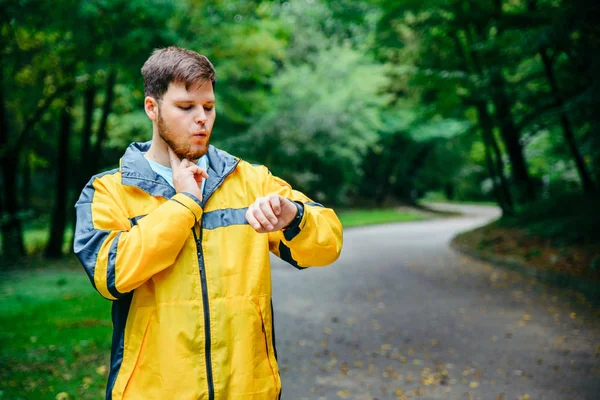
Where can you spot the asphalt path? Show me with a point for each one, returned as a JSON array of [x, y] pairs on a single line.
[[401, 315]]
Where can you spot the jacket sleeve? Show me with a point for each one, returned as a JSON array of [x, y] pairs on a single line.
[[120, 255], [315, 240]]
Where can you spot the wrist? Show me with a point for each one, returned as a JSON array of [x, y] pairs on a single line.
[[297, 218]]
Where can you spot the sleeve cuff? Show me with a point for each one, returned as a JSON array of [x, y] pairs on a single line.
[[293, 229], [191, 202]]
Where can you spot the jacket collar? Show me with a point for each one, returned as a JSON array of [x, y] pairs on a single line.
[[136, 171]]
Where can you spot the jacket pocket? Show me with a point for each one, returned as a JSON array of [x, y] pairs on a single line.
[[134, 343], [266, 343]]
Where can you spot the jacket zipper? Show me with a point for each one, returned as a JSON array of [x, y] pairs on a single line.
[[209, 374]]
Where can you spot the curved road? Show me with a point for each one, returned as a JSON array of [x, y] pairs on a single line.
[[401, 315]]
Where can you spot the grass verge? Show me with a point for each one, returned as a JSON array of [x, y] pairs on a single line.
[[360, 217], [556, 241], [55, 335]]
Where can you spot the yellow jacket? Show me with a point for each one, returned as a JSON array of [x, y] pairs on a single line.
[[191, 280]]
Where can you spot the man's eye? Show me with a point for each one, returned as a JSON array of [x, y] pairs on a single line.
[[208, 108], [186, 108]]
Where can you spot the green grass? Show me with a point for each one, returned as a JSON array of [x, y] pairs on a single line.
[[55, 333], [350, 218]]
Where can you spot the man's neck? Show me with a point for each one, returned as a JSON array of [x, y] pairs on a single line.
[[158, 153]]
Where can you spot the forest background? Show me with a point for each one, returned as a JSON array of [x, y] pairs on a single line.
[[359, 104]]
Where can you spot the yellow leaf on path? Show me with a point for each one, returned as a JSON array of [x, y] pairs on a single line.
[[524, 397], [474, 384], [399, 392], [343, 393]]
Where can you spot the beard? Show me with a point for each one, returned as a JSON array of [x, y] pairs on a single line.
[[178, 145]]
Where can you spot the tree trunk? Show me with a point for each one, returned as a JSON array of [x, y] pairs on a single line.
[[486, 124], [59, 217], [26, 189], [83, 171], [12, 232], [584, 175], [106, 107], [508, 129], [511, 137], [502, 191]]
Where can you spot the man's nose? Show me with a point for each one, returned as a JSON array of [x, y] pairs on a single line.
[[200, 117]]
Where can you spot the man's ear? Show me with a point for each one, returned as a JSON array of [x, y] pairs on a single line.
[[151, 108]]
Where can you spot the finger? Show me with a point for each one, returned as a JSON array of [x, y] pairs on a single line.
[[199, 176], [253, 221], [173, 158], [265, 207], [202, 174], [194, 169], [275, 201], [261, 218]]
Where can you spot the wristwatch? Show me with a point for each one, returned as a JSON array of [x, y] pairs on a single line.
[[298, 218]]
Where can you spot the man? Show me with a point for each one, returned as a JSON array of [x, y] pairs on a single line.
[[178, 237]]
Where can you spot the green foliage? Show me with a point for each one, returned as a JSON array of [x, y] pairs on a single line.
[[354, 102], [324, 118]]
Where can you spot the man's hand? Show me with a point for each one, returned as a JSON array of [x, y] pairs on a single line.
[[187, 176], [271, 213]]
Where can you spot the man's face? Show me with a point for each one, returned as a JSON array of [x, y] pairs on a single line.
[[185, 119]]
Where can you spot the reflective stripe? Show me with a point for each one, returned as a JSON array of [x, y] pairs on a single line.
[[312, 203], [110, 271], [286, 255], [120, 312], [225, 217]]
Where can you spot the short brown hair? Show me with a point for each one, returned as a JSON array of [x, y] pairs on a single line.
[[177, 65]]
